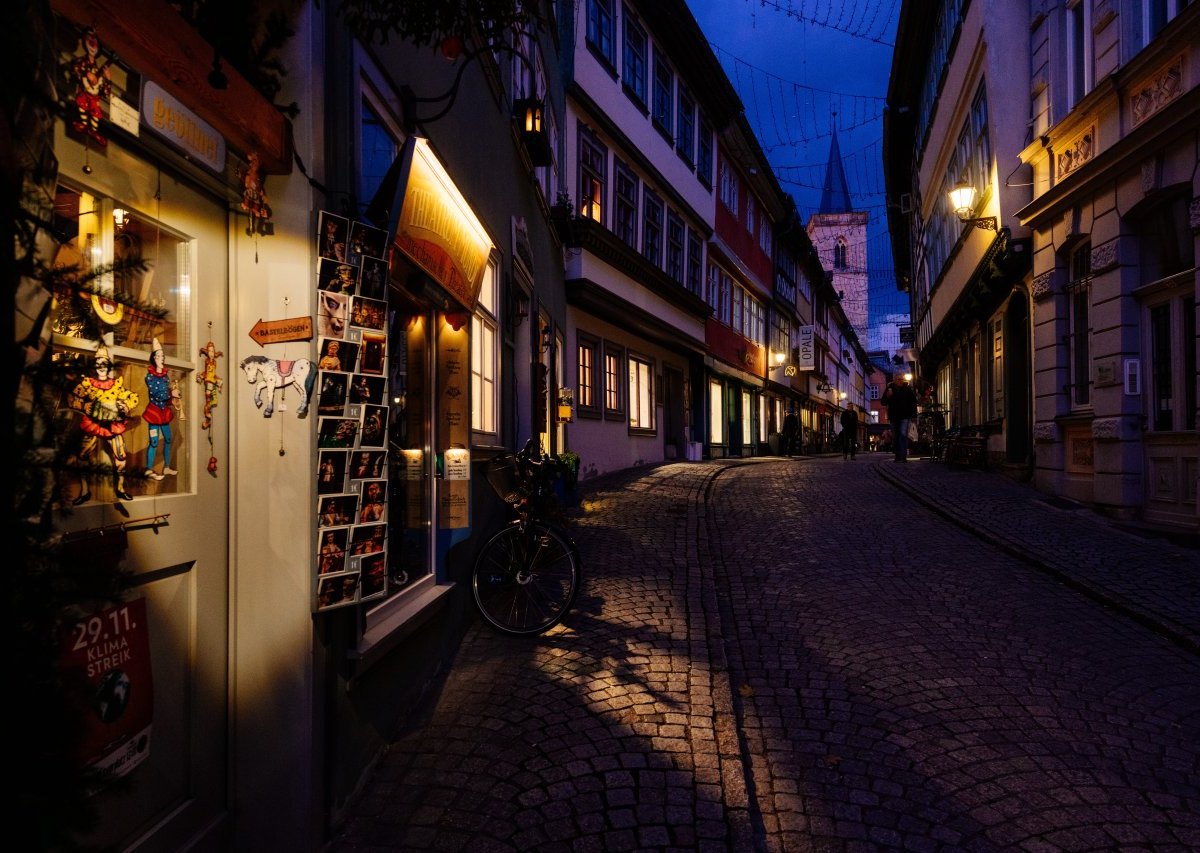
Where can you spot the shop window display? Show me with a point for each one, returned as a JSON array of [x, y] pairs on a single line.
[[122, 335]]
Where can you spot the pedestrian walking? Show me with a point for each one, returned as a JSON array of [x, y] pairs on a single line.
[[791, 433], [849, 433], [901, 403]]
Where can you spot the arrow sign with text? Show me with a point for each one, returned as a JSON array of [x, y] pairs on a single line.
[[282, 331]]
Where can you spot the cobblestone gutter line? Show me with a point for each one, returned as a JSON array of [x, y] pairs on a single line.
[[1035, 541]]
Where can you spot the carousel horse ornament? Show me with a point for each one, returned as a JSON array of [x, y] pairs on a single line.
[[268, 375]]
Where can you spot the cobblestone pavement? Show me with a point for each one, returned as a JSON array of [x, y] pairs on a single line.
[[798, 655]]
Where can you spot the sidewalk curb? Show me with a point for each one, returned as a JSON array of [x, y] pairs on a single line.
[[1177, 635]]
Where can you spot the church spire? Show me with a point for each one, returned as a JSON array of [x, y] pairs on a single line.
[[835, 197]]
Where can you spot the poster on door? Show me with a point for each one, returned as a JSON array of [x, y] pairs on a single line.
[[107, 656]]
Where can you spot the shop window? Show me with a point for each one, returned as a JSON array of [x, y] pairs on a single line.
[[614, 400], [716, 412], [747, 421], [485, 356], [1079, 293], [133, 310], [600, 30], [587, 399], [1172, 389], [635, 59], [625, 204], [641, 393]]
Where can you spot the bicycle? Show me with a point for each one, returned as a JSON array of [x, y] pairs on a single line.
[[527, 575]]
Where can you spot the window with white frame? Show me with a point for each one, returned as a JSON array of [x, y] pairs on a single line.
[[1150, 16], [725, 298], [614, 402], [663, 108], [485, 355], [685, 141], [593, 158], [600, 29], [695, 261], [729, 188], [1079, 51], [587, 376], [751, 222], [652, 226], [764, 234], [641, 393], [675, 232], [634, 77], [872, 392], [625, 203], [704, 153], [712, 293]]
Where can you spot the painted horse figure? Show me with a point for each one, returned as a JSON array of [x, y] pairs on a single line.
[[268, 375]]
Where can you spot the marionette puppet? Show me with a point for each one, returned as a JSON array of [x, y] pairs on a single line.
[[254, 198], [105, 406], [93, 84], [209, 379], [159, 412]]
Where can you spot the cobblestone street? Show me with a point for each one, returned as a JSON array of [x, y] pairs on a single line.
[[812, 655]]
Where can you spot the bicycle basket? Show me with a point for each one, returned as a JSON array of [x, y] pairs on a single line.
[[505, 475]]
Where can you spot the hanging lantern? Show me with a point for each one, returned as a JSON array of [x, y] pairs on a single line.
[[530, 117]]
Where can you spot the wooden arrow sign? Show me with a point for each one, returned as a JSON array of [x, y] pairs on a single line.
[[281, 331]]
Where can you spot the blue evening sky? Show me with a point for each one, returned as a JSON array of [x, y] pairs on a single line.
[[795, 63]]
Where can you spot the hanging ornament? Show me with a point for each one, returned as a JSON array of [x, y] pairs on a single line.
[[209, 379], [254, 199]]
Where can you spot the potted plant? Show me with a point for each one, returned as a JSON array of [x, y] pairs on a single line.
[[568, 481]]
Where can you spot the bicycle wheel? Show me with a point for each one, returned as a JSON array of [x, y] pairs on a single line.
[[525, 581]]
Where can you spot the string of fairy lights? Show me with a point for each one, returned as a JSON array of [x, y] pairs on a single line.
[[794, 121]]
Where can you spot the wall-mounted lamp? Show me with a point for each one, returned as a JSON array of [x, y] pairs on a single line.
[[520, 305], [908, 377], [962, 199], [119, 217], [530, 118]]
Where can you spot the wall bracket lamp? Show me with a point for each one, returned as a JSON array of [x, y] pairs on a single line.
[[962, 199]]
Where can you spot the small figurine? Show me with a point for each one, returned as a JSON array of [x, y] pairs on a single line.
[[177, 398], [254, 198], [209, 379], [159, 413], [93, 82], [105, 405]]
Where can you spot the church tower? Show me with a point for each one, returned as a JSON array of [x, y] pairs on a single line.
[[839, 234]]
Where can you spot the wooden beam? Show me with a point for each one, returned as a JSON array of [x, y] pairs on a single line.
[[155, 40]]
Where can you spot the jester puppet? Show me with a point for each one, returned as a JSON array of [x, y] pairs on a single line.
[[105, 405], [159, 412]]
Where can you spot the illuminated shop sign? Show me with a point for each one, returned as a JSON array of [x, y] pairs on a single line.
[[437, 229], [181, 127]]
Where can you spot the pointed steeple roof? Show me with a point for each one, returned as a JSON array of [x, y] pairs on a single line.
[[835, 197]]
